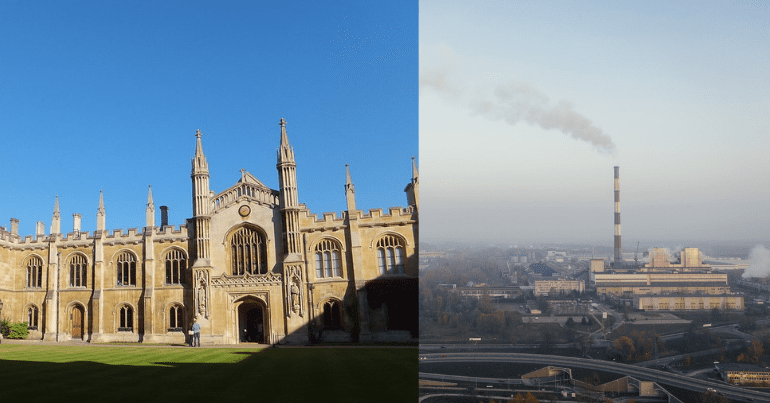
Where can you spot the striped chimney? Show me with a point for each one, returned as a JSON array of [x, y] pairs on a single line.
[[618, 258]]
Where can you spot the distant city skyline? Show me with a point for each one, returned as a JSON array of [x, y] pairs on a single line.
[[525, 108], [108, 96]]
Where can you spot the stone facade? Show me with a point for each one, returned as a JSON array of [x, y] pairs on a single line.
[[252, 264]]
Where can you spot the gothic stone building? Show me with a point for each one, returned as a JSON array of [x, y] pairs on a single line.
[[251, 265]]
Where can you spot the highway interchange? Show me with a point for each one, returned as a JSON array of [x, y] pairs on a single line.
[[661, 377]]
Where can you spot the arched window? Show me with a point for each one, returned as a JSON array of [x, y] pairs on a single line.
[[390, 255], [32, 317], [327, 259], [248, 252], [78, 271], [332, 317], [175, 318], [34, 272], [126, 269], [176, 264], [126, 320]]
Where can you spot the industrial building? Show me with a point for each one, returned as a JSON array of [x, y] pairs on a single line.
[[490, 292], [546, 287], [660, 283], [744, 374], [688, 302]]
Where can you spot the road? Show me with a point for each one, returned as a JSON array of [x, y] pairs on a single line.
[[667, 378]]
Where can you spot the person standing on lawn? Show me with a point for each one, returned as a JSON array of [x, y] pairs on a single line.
[[196, 328]]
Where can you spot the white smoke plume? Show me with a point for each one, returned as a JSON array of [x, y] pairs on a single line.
[[759, 262], [512, 102]]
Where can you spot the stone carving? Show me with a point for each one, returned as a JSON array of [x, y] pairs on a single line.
[[294, 292], [247, 280], [294, 298], [201, 293]]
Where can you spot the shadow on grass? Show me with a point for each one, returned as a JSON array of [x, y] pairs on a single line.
[[270, 375]]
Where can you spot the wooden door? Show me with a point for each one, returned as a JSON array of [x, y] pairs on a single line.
[[77, 323]]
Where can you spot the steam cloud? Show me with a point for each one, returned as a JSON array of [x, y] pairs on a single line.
[[759, 262], [515, 101]]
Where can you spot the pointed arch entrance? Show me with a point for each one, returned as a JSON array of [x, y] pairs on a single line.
[[252, 321], [77, 316]]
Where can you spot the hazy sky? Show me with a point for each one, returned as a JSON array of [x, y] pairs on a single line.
[[108, 95], [525, 107]]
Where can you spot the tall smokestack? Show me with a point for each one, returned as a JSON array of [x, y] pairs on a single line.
[[618, 257]]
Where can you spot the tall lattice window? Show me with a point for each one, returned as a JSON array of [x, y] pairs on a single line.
[[34, 272], [390, 255], [32, 317], [328, 259], [248, 252], [176, 318], [126, 320], [126, 269], [176, 264], [78, 267]]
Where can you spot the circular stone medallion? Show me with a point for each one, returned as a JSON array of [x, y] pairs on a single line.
[[244, 210]]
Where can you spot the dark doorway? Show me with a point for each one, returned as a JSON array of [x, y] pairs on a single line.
[[77, 322], [332, 315], [251, 323]]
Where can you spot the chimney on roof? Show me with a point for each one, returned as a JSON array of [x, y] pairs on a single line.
[[163, 216], [76, 223], [15, 226]]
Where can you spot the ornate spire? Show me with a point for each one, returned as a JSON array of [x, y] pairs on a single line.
[[285, 152], [284, 138], [350, 190], [56, 220], [100, 210], [199, 164], [413, 188], [150, 204], [150, 213], [348, 182], [100, 214]]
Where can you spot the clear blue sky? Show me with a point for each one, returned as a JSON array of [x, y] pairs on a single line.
[[108, 95], [525, 107]]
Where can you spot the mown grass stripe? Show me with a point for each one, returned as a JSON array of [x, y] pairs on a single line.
[[102, 373]]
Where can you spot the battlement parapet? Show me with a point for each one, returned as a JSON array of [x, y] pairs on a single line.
[[169, 233], [392, 212], [34, 241], [77, 236], [7, 237], [170, 230]]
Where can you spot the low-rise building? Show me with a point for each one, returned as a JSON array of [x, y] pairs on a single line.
[[678, 302], [744, 374], [545, 287], [490, 292], [661, 283]]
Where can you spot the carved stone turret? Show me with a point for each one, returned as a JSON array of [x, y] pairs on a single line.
[[287, 179], [201, 203]]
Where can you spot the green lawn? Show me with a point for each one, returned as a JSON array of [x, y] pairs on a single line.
[[122, 374]]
